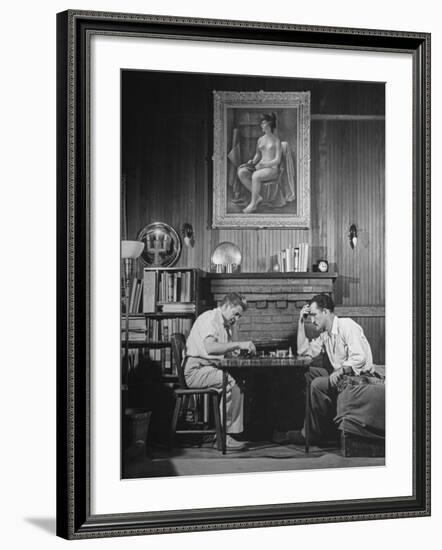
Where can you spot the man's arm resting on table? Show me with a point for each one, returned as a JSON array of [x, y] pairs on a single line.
[[220, 348]]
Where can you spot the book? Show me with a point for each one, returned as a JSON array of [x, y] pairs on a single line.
[[304, 257], [149, 291], [289, 258], [296, 260], [177, 287], [178, 307], [132, 295], [136, 300], [170, 286]]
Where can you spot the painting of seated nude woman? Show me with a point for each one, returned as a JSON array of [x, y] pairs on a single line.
[[261, 161]]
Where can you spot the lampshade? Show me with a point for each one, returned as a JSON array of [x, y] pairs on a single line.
[[131, 249]]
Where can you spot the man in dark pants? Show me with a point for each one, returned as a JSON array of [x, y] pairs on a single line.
[[346, 351]]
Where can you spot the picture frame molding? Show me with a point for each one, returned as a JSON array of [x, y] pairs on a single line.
[[74, 518], [259, 100]]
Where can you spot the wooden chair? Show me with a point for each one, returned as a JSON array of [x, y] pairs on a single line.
[[183, 393]]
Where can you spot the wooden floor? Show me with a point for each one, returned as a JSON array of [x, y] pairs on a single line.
[[258, 457]]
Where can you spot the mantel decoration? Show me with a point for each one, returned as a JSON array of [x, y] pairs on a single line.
[[261, 175], [226, 257], [254, 186]]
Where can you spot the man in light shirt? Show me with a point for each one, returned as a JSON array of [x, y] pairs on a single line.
[[209, 340], [347, 351]]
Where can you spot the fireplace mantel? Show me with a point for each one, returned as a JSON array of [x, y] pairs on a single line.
[[273, 286], [274, 275]]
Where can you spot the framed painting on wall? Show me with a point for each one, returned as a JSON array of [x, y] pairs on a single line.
[[261, 163], [94, 49]]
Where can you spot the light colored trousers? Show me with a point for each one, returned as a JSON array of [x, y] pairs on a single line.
[[200, 375]]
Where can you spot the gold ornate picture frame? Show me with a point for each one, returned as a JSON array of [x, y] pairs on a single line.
[[285, 193]]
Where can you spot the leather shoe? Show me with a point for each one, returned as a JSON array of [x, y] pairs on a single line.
[[280, 437], [232, 444]]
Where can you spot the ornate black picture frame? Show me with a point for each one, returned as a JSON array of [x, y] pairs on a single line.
[[74, 517]]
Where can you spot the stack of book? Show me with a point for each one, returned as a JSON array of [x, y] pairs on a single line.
[[137, 328], [178, 307], [160, 330], [175, 286], [294, 258]]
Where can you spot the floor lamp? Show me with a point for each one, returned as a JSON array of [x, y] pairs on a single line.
[[137, 422], [130, 251]]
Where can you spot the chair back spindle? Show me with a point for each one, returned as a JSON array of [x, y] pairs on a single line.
[[178, 342]]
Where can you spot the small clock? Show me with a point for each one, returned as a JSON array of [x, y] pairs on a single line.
[[323, 266]]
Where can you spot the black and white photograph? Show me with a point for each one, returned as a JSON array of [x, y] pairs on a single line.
[[243, 274], [252, 274], [222, 255]]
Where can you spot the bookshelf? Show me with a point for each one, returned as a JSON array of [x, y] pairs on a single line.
[[169, 301]]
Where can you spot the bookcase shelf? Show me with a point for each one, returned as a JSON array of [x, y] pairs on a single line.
[[154, 344], [184, 287], [161, 315]]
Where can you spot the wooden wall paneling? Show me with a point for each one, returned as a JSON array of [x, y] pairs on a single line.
[[366, 214], [261, 254], [347, 189], [351, 257], [363, 191], [319, 194], [182, 203], [380, 186], [337, 212], [375, 238], [374, 330], [357, 256], [167, 160], [320, 202]]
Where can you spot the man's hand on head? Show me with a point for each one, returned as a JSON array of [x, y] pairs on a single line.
[[304, 312]]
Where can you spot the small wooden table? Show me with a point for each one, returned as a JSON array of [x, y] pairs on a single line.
[[255, 363]]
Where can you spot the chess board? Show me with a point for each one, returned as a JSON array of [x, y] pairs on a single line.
[[256, 361]]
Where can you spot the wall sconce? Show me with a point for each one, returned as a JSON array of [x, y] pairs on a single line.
[[188, 234], [353, 235]]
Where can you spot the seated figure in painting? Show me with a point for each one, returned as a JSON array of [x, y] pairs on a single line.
[[209, 340], [261, 174], [347, 355]]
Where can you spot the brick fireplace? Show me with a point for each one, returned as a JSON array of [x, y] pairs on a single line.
[[274, 301]]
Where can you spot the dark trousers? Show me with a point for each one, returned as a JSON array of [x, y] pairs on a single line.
[[322, 405]]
